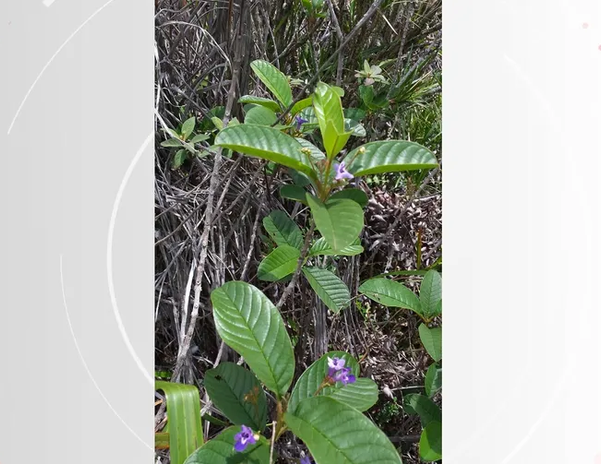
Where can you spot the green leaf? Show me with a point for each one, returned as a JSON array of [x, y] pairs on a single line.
[[389, 156], [265, 102], [355, 128], [261, 116], [274, 80], [433, 380], [183, 415], [321, 248], [220, 450], [267, 143], [238, 395], [430, 294], [188, 127], [432, 341], [430, 443], [356, 114], [358, 196], [316, 153], [329, 288], [294, 192], [390, 293], [179, 158], [328, 110], [278, 264], [251, 324], [217, 122], [301, 105], [339, 221], [424, 407], [173, 142], [361, 395], [283, 230], [335, 433], [199, 138]]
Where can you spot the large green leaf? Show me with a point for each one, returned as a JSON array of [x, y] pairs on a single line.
[[265, 102], [183, 416], [361, 395], [251, 324], [238, 395], [390, 293], [354, 194], [340, 221], [433, 380], [220, 450], [424, 407], [430, 294], [330, 116], [430, 443], [389, 156], [267, 143], [283, 230], [329, 288], [336, 433], [322, 248], [278, 264], [432, 340], [274, 80], [261, 116]]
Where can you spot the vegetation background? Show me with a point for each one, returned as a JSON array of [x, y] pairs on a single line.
[[209, 211]]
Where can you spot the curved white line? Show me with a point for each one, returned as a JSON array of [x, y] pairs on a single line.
[[109, 258], [52, 59], [85, 365]]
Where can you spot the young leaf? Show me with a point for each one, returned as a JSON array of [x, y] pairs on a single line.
[[188, 127], [278, 264], [199, 138], [339, 221], [172, 142], [267, 143], [294, 192], [430, 294], [335, 433], [261, 116], [265, 102], [432, 341], [251, 324], [433, 380], [329, 288], [424, 407], [183, 415], [220, 450], [283, 230], [321, 248], [238, 395], [430, 443], [274, 80], [358, 196], [361, 394], [390, 293], [389, 156], [301, 105], [179, 158], [328, 110]]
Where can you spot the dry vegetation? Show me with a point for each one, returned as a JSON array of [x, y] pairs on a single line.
[[209, 212]]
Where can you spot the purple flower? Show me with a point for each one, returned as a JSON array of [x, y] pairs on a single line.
[[299, 122], [305, 460], [344, 375], [341, 172], [334, 365], [244, 438]]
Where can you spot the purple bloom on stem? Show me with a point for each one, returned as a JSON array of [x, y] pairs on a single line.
[[344, 376], [334, 365], [244, 438], [341, 172], [305, 460], [299, 122]]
